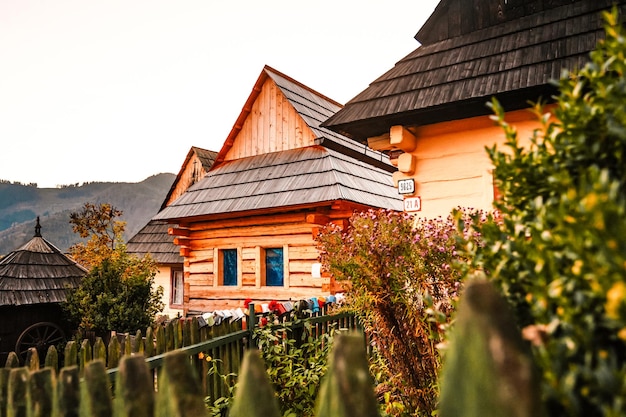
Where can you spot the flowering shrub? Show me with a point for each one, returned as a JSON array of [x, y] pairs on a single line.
[[402, 281]]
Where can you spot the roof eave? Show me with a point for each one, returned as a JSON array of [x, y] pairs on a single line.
[[361, 130], [247, 213]]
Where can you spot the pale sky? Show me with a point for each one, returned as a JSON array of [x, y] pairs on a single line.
[[119, 90]]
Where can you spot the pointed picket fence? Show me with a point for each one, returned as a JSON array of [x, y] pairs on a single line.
[[488, 372]]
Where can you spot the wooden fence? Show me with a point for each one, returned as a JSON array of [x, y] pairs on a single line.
[[488, 372], [225, 343]]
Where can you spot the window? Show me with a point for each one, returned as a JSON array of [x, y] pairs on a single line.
[[274, 269], [177, 285], [228, 265]]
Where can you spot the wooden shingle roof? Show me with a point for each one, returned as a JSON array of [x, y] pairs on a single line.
[[308, 176], [37, 272], [453, 78], [153, 239]]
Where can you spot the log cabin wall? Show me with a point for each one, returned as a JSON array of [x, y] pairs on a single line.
[[272, 126], [453, 169], [250, 237]]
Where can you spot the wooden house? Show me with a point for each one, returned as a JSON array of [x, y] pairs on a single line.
[[246, 230], [34, 280], [429, 111], [154, 239]]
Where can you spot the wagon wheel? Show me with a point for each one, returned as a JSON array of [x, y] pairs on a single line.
[[41, 336]]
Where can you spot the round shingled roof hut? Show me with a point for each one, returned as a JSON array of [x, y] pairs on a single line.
[[34, 280]]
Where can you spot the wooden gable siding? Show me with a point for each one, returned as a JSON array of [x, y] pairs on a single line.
[[294, 232], [190, 173], [272, 125]]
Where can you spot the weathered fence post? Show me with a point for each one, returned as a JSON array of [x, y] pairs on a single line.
[[32, 359], [85, 354], [115, 353], [95, 399], [13, 361], [169, 336], [71, 353], [99, 350], [139, 346], [134, 389], [488, 370], [52, 358], [17, 405], [251, 324], [179, 391], [4, 390], [255, 395], [149, 344], [41, 389], [347, 389], [68, 392], [195, 331], [161, 344]]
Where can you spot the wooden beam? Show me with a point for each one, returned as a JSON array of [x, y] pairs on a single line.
[[316, 218], [379, 143], [396, 176], [274, 218], [401, 138], [175, 231], [181, 241], [407, 163]]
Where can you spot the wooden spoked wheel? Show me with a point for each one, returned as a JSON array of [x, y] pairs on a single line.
[[40, 336]]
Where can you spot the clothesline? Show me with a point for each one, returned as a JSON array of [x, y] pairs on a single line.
[[311, 304]]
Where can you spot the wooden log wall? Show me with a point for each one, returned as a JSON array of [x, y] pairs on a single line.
[[250, 236]]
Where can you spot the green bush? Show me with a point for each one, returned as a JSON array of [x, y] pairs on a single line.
[[558, 248], [116, 294], [295, 360], [295, 366]]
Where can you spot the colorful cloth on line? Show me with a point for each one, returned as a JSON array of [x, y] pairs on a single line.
[[312, 304]]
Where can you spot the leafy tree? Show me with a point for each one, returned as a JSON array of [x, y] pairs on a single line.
[[98, 223], [117, 293], [400, 280], [558, 248]]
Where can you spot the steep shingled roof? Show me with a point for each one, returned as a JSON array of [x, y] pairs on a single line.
[[153, 239], [37, 272], [453, 78], [287, 179]]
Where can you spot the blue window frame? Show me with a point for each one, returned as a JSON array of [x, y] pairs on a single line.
[[229, 267], [274, 269]]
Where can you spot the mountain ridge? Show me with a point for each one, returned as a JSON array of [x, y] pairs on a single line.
[[20, 204]]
